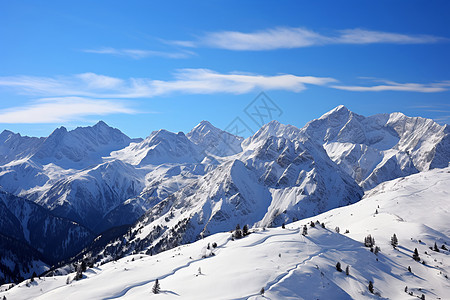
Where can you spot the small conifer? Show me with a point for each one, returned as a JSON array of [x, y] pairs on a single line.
[[156, 287], [416, 256]]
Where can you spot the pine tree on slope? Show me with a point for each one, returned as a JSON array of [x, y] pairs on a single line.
[[156, 287]]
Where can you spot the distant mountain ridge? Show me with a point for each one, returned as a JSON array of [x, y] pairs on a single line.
[[173, 188]]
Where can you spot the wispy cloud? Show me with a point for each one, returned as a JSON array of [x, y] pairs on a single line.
[[395, 86], [443, 119], [295, 37], [62, 110], [139, 53], [188, 81], [439, 112]]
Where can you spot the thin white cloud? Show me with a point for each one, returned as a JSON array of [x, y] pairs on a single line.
[[139, 53], [263, 40], [189, 81], [394, 86], [442, 119], [204, 81], [295, 37], [62, 110], [361, 36]]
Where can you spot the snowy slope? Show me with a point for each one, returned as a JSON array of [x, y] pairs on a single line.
[[289, 265]]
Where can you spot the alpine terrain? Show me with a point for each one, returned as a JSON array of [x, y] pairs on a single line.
[[100, 215]]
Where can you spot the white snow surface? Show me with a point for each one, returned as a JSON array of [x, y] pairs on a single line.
[[289, 265]]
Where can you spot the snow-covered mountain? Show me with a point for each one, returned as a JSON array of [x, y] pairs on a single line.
[[80, 147], [274, 181], [161, 147], [13, 146], [212, 140], [172, 188], [380, 147], [286, 264]]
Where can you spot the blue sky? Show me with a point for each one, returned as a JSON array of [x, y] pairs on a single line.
[[142, 65]]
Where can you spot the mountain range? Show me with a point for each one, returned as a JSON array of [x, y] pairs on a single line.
[[171, 189]]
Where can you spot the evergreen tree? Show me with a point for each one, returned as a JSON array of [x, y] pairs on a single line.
[[83, 266], [323, 225], [406, 289], [436, 247], [312, 224], [305, 230], [377, 249], [337, 229], [156, 288], [369, 241], [371, 287], [416, 256], [347, 270], [443, 247], [245, 230], [79, 274], [423, 297], [261, 291], [409, 269], [68, 280], [238, 232], [283, 226], [394, 241], [338, 267]]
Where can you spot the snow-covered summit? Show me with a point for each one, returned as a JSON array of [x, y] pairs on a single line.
[[272, 129], [380, 147], [161, 147], [215, 141], [82, 146]]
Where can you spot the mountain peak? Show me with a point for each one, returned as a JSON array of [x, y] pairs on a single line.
[[205, 123], [272, 129], [101, 124], [340, 110], [214, 140], [202, 128], [58, 132]]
